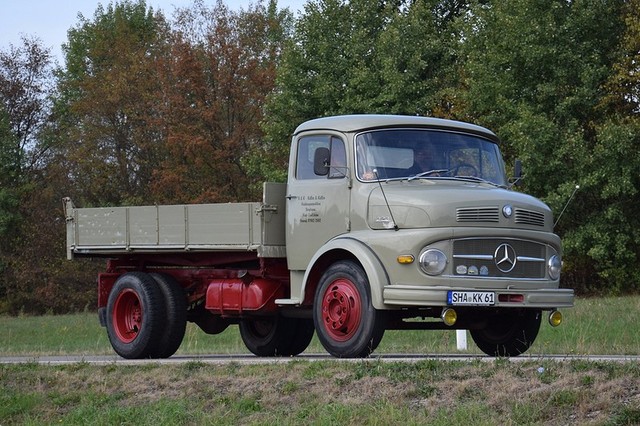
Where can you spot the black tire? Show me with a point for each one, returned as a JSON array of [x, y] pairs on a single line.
[[135, 315], [508, 333], [347, 324], [276, 335], [300, 336], [176, 319]]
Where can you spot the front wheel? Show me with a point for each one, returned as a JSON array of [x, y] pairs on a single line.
[[135, 314], [508, 333], [347, 324]]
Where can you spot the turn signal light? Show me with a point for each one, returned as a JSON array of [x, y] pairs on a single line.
[[555, 318], [405, 259], [449, 316]]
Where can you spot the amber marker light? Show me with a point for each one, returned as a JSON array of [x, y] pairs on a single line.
[[555, 318], [405, 259]]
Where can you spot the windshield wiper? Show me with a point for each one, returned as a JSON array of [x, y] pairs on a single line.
[[477, 179], [438, 175], [427, 173]]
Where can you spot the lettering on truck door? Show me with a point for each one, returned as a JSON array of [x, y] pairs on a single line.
[[317, 201]]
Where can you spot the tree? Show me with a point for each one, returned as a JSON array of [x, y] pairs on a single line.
[[31, 229], [536, 73], [25, 76], [419, 64], [24, 79], [87, 141], [623, 86], [612, 175], [110, 102], [365, 56], [223, 66], [9, 200]]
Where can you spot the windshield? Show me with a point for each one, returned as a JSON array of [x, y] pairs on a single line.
[[427, 154]]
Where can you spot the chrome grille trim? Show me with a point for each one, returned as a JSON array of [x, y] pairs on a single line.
[[473, 256], [530, 262], [478, 214], [529, 259], [529, 217]]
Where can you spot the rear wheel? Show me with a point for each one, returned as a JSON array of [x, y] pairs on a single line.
[[276, 336], [301, 335], [176, 319], [508, 333], [347, 324], [135, 315]]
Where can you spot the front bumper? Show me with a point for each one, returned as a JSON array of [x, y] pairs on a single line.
[[411, 295]]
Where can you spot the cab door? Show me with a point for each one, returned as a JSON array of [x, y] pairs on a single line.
[[318, 198]]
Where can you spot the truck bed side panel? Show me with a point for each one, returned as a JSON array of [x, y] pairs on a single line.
[[178, 228]]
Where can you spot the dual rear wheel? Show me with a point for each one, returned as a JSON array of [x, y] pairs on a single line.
[[146, 315]]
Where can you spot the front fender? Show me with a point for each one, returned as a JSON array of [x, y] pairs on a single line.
[[346, 248]]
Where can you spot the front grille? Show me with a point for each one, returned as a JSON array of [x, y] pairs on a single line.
[[480, 253], [529, 217], [478, 214]]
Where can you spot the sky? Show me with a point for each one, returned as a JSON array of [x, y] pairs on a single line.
[[49, 20]]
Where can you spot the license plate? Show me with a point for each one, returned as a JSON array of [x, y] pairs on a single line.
[[473, 298]]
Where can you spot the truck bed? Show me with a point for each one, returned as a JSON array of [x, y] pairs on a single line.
[[108, 231]]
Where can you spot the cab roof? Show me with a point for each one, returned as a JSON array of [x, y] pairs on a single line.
[[361, 122]]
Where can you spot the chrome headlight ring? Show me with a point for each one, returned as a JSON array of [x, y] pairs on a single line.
[[433, 262], [554, 266]]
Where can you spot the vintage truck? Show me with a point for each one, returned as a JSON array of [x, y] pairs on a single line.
[[386, 222]]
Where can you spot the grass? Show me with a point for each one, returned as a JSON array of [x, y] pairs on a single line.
[[598, 326], [324, 393]]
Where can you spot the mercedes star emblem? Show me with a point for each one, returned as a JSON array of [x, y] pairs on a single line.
[[505, 258]]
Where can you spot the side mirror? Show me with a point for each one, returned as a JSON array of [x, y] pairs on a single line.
[[517, 172], [321, 158]]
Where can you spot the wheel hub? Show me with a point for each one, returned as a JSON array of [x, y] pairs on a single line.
[[341, 310], [127, 316]]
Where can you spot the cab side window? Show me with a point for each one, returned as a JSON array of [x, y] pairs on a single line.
[[307, 147], [338, 167]]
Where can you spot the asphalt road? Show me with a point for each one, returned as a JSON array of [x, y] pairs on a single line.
[[251, 359]]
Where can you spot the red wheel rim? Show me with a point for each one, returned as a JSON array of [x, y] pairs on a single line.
[[341, 310], [127, 316]]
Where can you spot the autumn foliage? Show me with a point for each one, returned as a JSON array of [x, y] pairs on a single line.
[[216, 81], [143, 112]]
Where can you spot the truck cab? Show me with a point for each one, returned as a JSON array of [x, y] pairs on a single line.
[[390, 218]]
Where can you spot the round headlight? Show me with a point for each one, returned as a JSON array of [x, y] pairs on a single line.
[[433, 262], [554, 265]]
